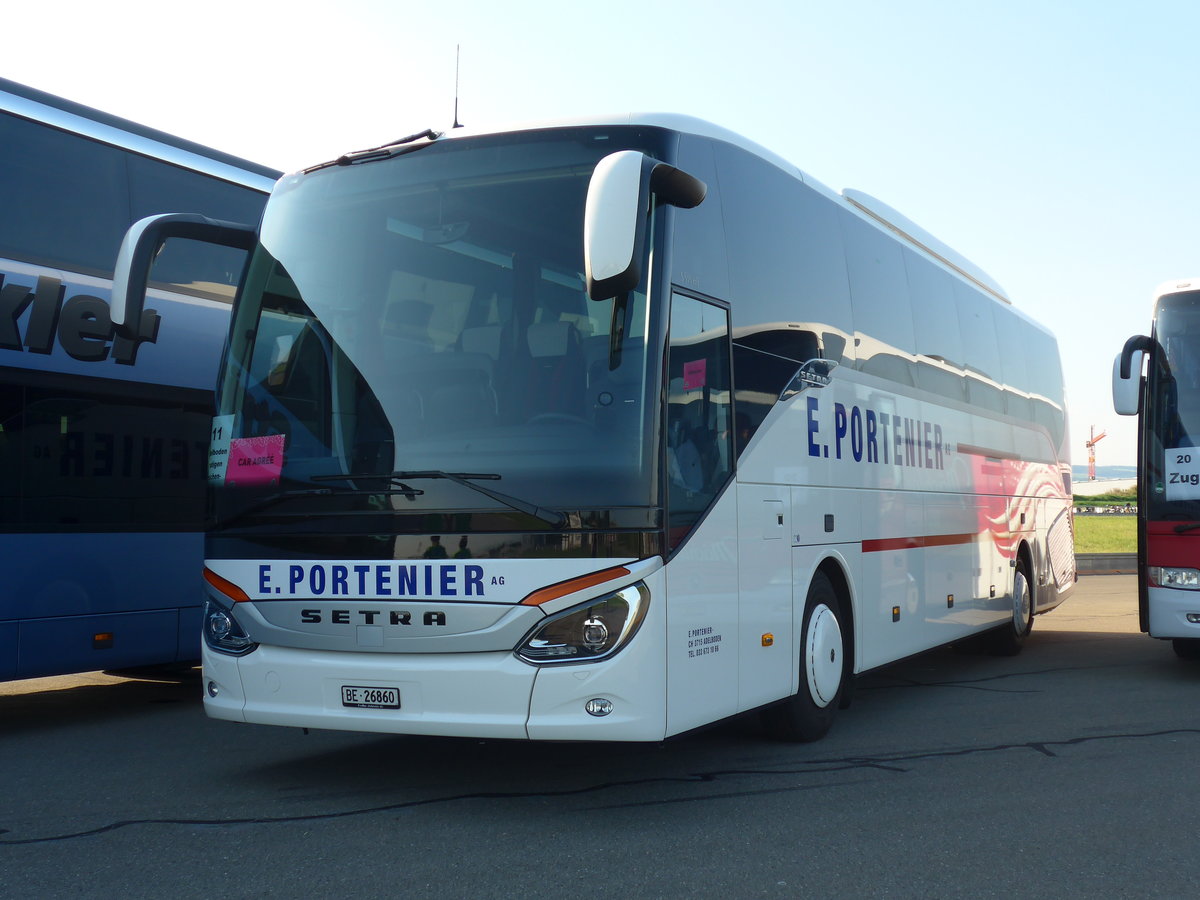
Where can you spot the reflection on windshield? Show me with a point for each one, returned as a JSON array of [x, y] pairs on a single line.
[[1173, 411], [429, 313]]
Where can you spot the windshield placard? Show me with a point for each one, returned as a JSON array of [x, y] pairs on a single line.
[[1181, 468], [255, 460]]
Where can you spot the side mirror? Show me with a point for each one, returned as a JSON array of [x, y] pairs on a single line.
[[614, 219], [1127, 375], [141, 244]]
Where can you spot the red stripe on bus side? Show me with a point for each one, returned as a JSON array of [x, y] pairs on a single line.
[[915, 543]]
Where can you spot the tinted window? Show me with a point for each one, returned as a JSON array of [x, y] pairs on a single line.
[[981, 351], [67, 202], [786, 267], [935, 325], [698, 254], [64, 198], [1012, 338], [205, 269], [699, 429], [882, 309], [77, 456]]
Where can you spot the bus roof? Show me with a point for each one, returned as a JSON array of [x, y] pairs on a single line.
[[67, 115], [858, 202]]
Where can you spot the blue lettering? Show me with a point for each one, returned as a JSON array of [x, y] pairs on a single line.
[[449, 576], [383, 580], [910, 450], [937, 443], [264, 579], [898, 440], [361, 572], [429, 581], [872, 449], [340, 573], [813, 449], [839, 428], [928, 446], [473, 579], [316, 580], [856, 434], [295, 576], [406, 581]]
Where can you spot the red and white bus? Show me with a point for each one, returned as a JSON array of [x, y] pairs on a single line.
[[1166, 399], [608, 430]]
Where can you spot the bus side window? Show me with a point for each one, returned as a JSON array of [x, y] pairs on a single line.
[[699, 434]]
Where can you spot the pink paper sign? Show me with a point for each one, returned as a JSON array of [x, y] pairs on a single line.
[[256, 460], [695, 374]]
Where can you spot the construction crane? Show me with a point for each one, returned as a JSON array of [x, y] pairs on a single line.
[[1091, 448]]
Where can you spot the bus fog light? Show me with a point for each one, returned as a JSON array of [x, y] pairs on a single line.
[[590, 631], [1194, 618], [213, 690], [598, 706]]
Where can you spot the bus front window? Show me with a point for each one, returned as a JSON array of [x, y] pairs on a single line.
[[1173, 408], [429, 313]]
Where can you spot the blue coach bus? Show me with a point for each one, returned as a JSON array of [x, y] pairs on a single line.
[[103, 439]]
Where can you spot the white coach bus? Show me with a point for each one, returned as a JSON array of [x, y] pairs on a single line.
[[607, 431]]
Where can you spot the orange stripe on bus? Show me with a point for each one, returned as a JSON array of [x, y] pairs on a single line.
[[228, 588], [554, 591]]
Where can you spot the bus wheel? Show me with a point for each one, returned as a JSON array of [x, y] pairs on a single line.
[[1186, 648], [1008, 640], [808, 714]]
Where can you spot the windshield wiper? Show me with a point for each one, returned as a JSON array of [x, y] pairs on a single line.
[[1190, 526], [549, 516], [383, 151]]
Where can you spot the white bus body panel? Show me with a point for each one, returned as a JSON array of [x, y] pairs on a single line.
[[928, 549], [485, 694], [451, 694], [701, 586], [1169, 609]]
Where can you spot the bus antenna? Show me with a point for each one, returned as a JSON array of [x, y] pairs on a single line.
[[457, 54]]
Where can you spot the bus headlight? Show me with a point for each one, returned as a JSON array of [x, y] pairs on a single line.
[[222, 631], [1173, 577], [590, 631]]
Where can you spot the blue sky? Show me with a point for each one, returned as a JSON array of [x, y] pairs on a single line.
[[1053, 143]]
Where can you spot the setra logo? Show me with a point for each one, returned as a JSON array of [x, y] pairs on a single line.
[[368, 617], [82, 324]]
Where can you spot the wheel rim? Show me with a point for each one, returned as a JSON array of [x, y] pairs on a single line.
[[823, 655], [1021, 603]]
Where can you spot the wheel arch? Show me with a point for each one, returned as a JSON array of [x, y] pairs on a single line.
[[1025, 553], [832, 569]]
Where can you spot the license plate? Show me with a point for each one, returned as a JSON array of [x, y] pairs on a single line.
[[370, 697]]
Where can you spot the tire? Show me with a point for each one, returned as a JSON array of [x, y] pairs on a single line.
[[1010, 638], [1186, 648], [808, 714]]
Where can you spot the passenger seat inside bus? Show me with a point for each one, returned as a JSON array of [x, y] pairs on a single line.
[[556, 380]]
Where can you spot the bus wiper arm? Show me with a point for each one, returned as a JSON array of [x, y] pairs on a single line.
[[549, 516], [383, 151], [1190, 526]]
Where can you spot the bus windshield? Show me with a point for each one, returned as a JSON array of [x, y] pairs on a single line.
[[428, 313], [1173, 411]]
